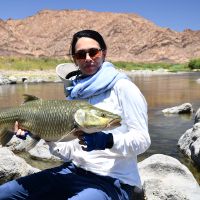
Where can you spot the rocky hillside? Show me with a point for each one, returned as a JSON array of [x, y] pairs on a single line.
[[129, 37]]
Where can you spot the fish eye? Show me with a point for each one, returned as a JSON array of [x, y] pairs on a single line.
[[103, 115]]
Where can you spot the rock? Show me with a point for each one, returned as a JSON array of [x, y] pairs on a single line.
[[12, 79], [4, 80], [24, 79], [16, 144], [12, 166], [181, 109], [28, 76], [165, 178], [189, 143], [41, 152], [197, 116]]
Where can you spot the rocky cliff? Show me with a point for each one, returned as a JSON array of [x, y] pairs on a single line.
[[129, 37]]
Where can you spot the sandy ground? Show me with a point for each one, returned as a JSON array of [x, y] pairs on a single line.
[[38, 74], [41, 73]]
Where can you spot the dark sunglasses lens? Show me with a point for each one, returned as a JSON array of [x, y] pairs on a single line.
[[80, 54], [93, 52]]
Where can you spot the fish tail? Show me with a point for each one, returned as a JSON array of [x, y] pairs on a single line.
[[5, 136]]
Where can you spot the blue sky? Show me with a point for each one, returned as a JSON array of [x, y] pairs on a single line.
[[174, 14]]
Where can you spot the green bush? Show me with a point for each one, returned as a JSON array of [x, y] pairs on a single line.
[[29, 63], [194, 64], [151, 66]]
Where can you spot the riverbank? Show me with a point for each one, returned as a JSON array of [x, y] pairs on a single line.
[[20, 76], [28, 76], [32, 63]]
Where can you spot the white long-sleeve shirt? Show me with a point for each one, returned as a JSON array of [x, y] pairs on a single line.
[[130, 139]]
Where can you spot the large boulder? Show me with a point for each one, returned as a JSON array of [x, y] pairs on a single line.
[[12, 166], [16, 144], [4, 80], [39, 152], [189, 143], [181, 109], [197, 116], [165, 178]]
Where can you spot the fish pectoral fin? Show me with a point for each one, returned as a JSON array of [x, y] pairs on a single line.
[[33, 142], [28, 97], [5, 136], [68, 136]]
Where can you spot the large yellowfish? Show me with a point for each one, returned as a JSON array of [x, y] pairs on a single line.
[[55, 120]]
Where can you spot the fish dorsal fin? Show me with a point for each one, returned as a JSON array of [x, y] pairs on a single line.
[[28, 97]]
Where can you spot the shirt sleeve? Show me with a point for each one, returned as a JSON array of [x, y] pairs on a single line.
[[134, 117], [61, 150]]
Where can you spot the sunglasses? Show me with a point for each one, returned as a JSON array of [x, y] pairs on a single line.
[[93, 53]]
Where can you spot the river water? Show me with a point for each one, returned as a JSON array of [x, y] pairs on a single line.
[[160, 91]]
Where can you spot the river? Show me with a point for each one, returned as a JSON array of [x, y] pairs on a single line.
[[160, 91]]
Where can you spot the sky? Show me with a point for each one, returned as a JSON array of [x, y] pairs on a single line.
[[174, 14]]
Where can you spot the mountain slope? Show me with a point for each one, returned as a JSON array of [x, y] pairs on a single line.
[[129, 37]]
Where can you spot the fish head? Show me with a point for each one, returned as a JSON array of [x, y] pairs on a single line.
[[92, 119]]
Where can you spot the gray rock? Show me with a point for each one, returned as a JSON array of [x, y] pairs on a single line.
[[198, 80], [12, 166], [4, 80], [39, 152], [12, 79], [16, 144], [165, 178], [181, 109], [197, 116], [189, 143]]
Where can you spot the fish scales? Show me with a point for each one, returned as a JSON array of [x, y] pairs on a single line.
[[47, 113], [33, 116], [54, 120]]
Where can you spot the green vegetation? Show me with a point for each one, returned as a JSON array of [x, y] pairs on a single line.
[[152, 66], [27, 63], [194, 64], [30, 63]]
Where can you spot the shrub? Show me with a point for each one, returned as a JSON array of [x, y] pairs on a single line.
[[194, 64]]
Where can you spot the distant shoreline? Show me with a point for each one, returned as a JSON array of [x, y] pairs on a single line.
[[47, 76]]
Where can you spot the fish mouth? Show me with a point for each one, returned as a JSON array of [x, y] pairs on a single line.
[[114, 123]]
